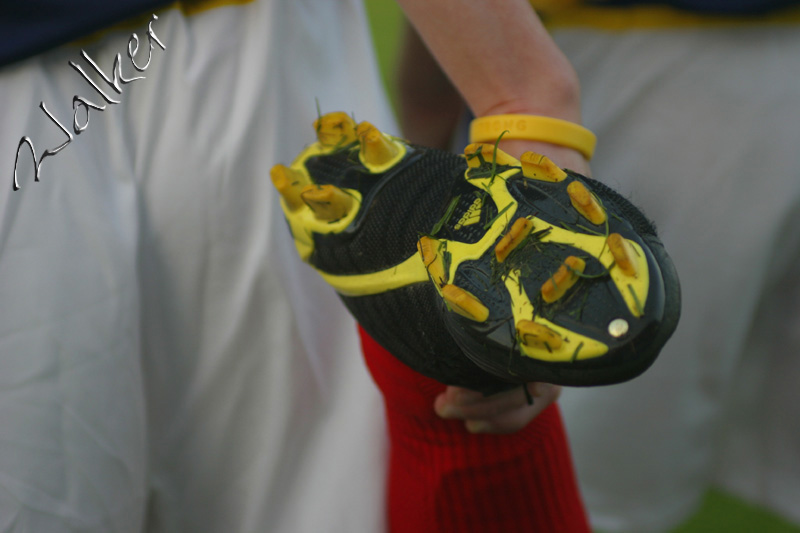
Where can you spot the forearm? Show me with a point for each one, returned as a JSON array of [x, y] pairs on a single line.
[[501, 59], [498, 55]]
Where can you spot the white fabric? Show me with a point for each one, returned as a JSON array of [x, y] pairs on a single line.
[[166, 362], [700, 128]]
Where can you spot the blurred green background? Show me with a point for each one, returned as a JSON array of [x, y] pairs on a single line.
[[720, 512]]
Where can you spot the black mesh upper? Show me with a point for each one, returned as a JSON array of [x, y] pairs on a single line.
[[401, 205], [419, 338]]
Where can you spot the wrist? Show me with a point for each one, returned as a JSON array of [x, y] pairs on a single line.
[[554, 93], [535, 128], [559, 99], [567, 144]]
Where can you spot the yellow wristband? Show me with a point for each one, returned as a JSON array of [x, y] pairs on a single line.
[[533, 128]]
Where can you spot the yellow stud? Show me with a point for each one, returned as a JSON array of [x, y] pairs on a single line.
[[539, 167], [329, 203], [585, 203], [624, 254], [564, 278], [336, 128], [487, 152], [464, 303], [538, 336], [376, 148], [434, 261], [289, 183], [520, 229]]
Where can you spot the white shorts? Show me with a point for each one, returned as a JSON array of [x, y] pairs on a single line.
[[166, 362], [700, 128]]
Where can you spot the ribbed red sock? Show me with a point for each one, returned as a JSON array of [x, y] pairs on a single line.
[[443, 479]]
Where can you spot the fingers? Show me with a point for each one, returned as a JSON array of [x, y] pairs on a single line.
[[506, 412], [505, 424]]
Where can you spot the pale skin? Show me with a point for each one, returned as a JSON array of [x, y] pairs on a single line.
[[494, 58]]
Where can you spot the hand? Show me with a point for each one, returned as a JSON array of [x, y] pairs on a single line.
[[505, 412]]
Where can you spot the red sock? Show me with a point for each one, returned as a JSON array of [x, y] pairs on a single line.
[[443, 479]]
